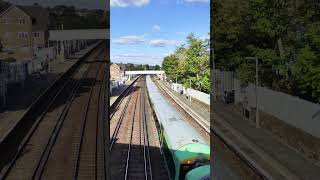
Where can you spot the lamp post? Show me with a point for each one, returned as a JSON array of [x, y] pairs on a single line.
[[190, 89], [256, 90]]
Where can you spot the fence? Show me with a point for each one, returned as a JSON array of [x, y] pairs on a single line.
[[177, 87], [223, 82], [201, 96], [45, 53], [297, 112]]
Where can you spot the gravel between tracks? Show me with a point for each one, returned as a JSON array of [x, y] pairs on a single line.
[[119, 152]]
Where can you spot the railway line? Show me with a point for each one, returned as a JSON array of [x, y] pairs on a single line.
[[66, 140], [130, 138]]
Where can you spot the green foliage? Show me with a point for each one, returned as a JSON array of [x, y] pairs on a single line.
[[156, 67], [307, 72], [190, 62], [284, 35], [4, 5], [170, 65], [71, 20], [9, 60], [139, 67]]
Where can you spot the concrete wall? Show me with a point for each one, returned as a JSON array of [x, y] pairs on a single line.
[[292, 110], [201, 96], [83, 34]]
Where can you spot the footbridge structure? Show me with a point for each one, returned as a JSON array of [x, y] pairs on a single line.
[[160, 74], [66, 42]]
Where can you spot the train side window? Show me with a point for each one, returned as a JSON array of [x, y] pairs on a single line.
[[161, 134], [169, 160]]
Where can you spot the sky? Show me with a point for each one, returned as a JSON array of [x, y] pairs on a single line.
[[145, 31]]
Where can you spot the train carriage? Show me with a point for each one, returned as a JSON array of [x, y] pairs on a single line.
[[186, 152]]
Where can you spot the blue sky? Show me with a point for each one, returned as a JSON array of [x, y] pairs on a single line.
[[145, 31]]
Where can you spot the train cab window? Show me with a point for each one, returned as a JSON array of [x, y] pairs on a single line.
[[185, 168], [169, 160]]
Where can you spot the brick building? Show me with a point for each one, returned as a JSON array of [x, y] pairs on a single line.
[[116, 72], [23, 29]]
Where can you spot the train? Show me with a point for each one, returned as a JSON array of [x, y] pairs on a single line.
[[186, 153]]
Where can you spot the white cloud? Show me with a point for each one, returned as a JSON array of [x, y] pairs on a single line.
[[181, 33], [137, 58], [205, 37], [163, 42], [168, 53], [126, 40], [129, 40], [156, 28], [126, 3]]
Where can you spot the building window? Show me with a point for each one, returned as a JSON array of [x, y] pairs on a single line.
[[4, 21], [22, 21], [22, 35], [36, 35]]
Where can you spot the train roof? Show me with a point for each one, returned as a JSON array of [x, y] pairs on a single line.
[[179, 132]]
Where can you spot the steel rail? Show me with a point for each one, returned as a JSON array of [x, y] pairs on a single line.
[[46, 153], [97, 123], [5, 172], [146, 146], [83, 125], [123, 94], [119, 122], [131, 135], [143, 118]]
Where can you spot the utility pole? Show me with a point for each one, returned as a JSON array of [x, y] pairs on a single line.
[[257, 99], [190, 88], [256, 90]]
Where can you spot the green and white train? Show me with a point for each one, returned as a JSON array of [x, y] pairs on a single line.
[[186, 153]]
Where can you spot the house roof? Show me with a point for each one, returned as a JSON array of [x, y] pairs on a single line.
[[38, 14]]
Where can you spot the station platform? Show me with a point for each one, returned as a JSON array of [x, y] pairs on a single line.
[[275, 157]]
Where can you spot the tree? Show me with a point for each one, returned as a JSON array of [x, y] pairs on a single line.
[[190, 62], [156, 67], [169, 64], [284, 35]]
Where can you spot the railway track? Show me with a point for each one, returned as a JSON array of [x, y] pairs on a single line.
[[130, 137], [66, 141]]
